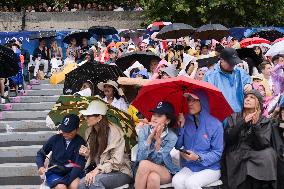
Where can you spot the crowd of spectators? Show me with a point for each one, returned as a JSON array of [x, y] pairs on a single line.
[[44, 7]]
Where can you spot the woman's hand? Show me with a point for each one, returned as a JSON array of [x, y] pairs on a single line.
[[249, 117], [181, 120], [151, 136], [191, 157], [41, 171], [90, 177], [84, 151]]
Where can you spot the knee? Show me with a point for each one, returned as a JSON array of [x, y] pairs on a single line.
[[143, 167], [153, 179], [74, 184], [60, 186], [178, 182]]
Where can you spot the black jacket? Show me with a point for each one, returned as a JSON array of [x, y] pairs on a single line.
[[248, 151]]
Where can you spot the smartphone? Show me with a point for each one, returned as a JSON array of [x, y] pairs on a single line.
[[184, 151]]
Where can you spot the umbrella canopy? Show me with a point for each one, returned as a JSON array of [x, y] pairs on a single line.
[[277, 48], [175, 31], [249, 53], [78, 35], [132, 33], [95, 72], [172, 90], [8, 62], [43, 35], [278, 40], [156, 26], [254, 40], [204, 62], [211, 31], [270, 33], [144, 58], [103, 30], [72, 105]]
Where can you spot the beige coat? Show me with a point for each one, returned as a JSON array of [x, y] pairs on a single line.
[[114, 157]]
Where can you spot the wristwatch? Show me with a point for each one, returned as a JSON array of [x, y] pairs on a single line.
[[199, 158]]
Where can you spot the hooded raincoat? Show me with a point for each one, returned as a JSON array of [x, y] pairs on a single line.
[[231, 85], [206, 139]]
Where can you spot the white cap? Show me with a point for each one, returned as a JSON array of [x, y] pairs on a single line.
[[96, 107]]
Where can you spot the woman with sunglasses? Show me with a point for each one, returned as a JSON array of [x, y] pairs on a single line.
[[105, 151]]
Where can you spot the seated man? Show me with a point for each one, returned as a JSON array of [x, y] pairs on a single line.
[[200, 141], [40, 56], [66, 165]]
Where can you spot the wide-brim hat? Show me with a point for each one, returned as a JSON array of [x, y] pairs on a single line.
[[111, 83]]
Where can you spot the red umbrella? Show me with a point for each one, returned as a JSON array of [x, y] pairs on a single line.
[[172, 90], [278, 40], [251, 41], [156, 26]]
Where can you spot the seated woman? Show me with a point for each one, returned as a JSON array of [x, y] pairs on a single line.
[[113, 95], [105, 151], [200, 141], [155, 141], [249, 159], [87, 89]]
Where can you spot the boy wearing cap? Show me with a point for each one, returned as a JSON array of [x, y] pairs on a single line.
[[229, 79], [66, 165]]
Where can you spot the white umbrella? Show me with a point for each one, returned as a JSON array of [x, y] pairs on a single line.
[[277, 48], [260, 45]]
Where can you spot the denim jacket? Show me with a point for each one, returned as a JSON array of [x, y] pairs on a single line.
[[161, 157]]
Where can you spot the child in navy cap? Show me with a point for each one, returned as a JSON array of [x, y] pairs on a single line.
[[66, 165]]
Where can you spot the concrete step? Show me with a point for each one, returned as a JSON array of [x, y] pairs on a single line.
[[46, 81], [24, 115], [43, 92], [19, 173], [19, 154], [23, 125], [44, 86], [33, 99], [26, 106], [25, 138], [20, 187]]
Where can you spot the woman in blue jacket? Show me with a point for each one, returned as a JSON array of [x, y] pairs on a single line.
[[155, 141], [201, 139]]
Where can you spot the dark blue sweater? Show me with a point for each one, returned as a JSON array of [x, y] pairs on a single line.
[[60, 157]]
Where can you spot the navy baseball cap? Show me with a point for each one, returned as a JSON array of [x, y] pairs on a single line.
[[164, 108], [69, 123], [231, 56]]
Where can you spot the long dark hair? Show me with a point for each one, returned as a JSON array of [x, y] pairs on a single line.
[[98, 140]]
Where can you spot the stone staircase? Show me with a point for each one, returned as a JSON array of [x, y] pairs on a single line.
[[22, 133]]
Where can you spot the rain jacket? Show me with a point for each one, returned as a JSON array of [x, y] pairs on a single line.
[[231, 85], [206, 140], [248, 151], [161, 157]]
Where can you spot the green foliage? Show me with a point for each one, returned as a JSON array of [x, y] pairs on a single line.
[[227, 12]]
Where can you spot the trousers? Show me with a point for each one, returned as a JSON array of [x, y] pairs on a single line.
[[107, 181], [187, 179]]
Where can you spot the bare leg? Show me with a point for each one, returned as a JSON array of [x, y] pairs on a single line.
[[60, 186], [74, 184], [153, 181], [144, 170], [2, 86]]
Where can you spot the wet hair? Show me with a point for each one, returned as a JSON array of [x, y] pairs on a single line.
[[99, 139], [263, 64], [276, 57], [172, 120]]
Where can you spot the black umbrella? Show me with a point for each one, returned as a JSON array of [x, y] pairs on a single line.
[[8, 62], [204, 62], [144, 58], [95, 72], [131, 33], [78, 35], [270, 34], [103, 30], [211, 31], [43, 35], [175, 31]]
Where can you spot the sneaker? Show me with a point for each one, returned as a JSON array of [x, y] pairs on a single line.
[[2, 101]]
